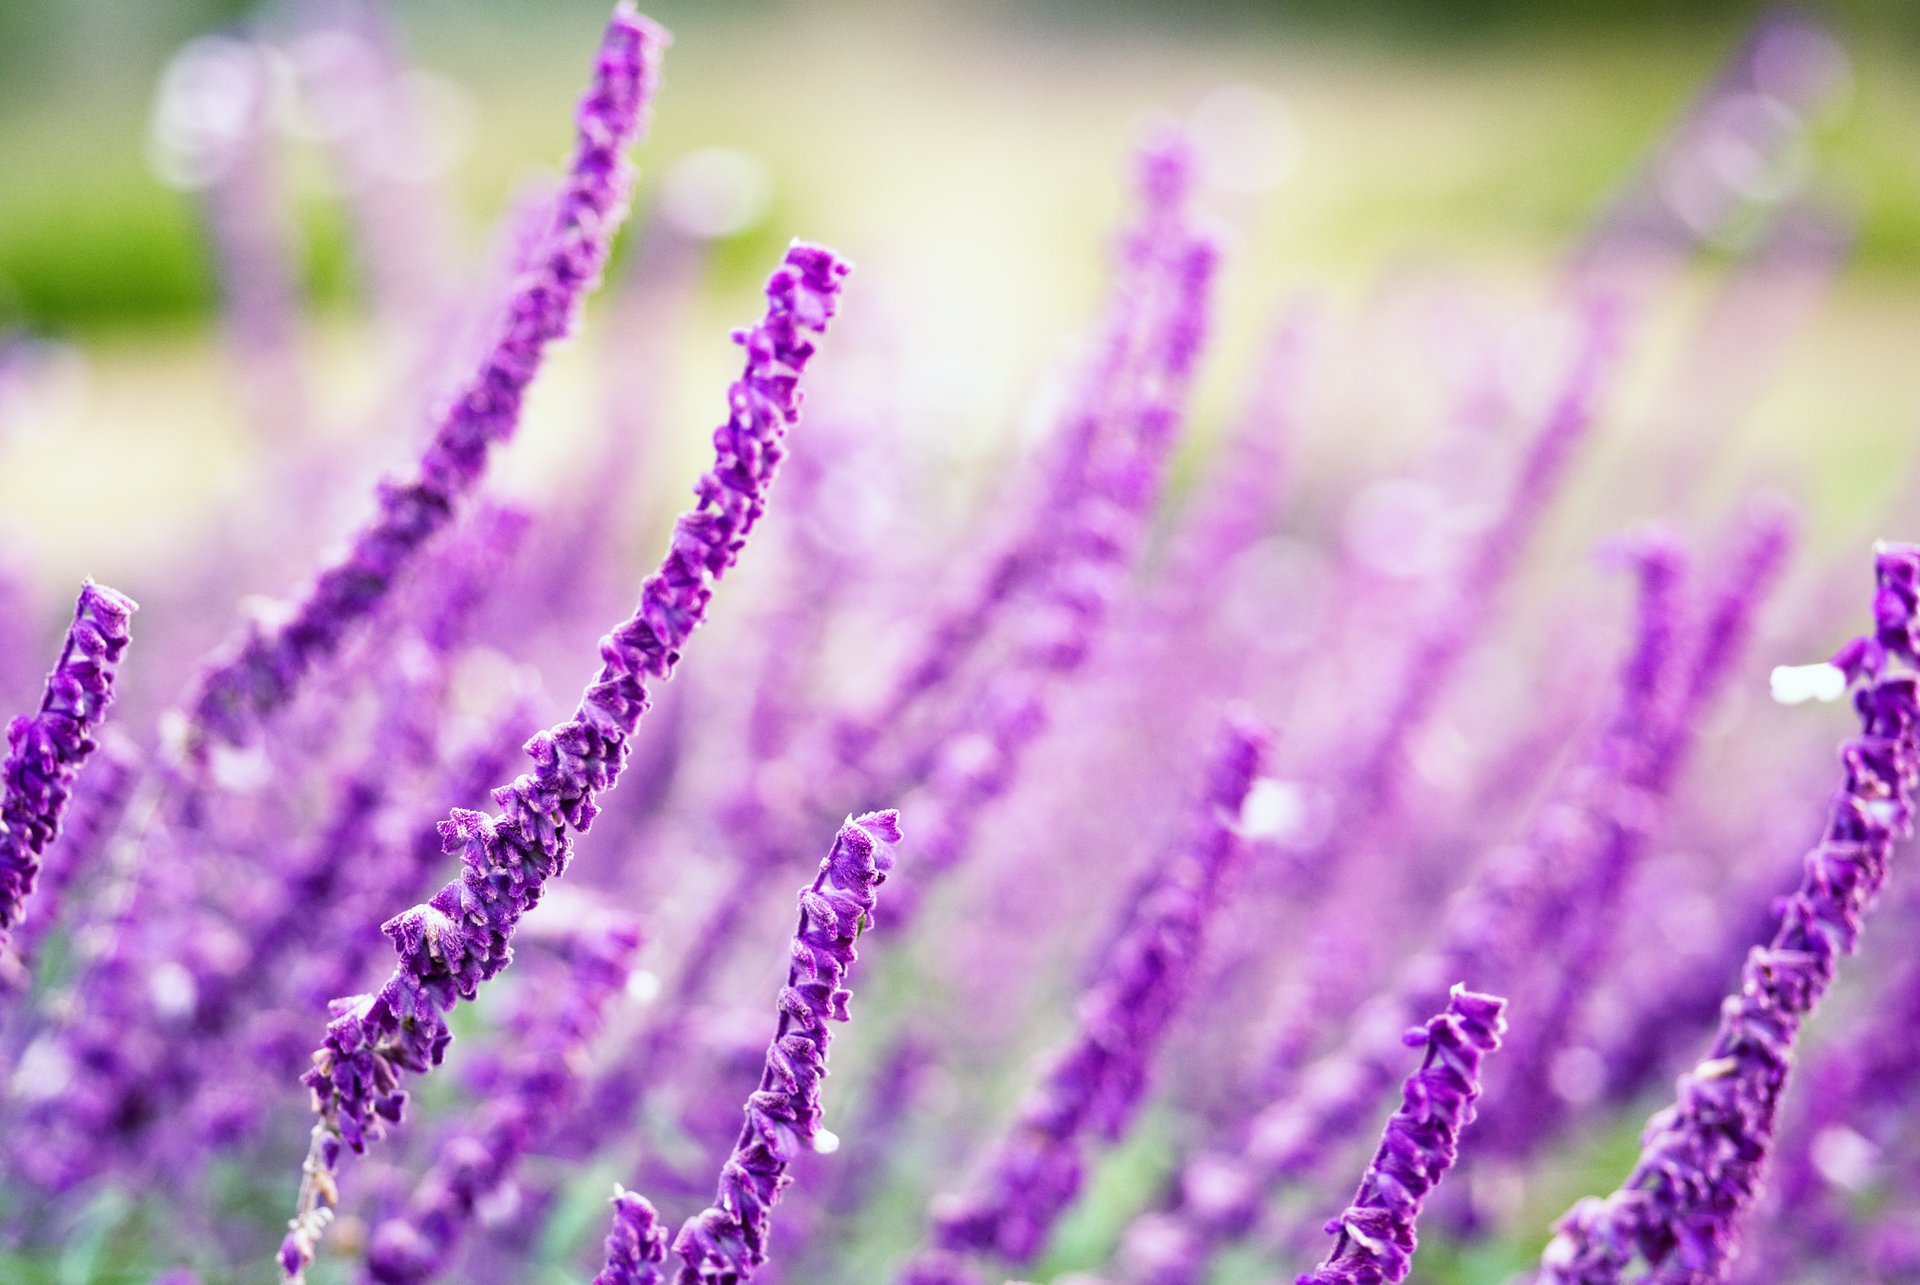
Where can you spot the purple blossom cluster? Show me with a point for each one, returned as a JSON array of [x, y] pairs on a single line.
[[1141, 994], [46, 750]]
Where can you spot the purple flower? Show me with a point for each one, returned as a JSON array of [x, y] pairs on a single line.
[[1374, 1239], [460, 938], [258, 671], [1701, 1158], [636, 1246], [727, 1241], [1094, 1084], [45, 751]]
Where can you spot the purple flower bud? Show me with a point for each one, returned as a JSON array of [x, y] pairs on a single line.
[[45, 751], [1374, 1239]]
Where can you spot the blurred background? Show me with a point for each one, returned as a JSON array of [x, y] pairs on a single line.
[[969, 158]]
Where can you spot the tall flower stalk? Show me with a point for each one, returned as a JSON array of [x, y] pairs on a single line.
[[1702, 1158], [459, 939]]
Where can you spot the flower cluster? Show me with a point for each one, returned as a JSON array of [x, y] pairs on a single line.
[[45, 750]]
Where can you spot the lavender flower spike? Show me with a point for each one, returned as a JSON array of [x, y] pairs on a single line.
[[727, 1241], [45, 750], [636, 1246], [462, 937], [258, 671], [1374, 1238], [1701, 1158]]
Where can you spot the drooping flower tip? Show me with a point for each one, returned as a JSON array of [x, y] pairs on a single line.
[[1472, 1020], [107, 609], [813, 274]]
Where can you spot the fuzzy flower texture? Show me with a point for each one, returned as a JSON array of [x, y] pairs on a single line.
[[45, 751]]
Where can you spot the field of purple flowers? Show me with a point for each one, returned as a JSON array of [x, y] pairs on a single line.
[[1233, 833]]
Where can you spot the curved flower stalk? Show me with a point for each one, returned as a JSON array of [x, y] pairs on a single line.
[[1094, 1084], [460, 938], [46, 750], [1702, 1158], [419, 1244], [1374, 1239], [257, 672], [728, 1240], [637, 1244]]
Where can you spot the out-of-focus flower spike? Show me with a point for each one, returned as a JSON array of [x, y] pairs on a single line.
[[46, 750], [1374, 1239], [1530, 1111], [637, 1245], [1098, 539], [1163, 185], [1702, 1158], [257, 671], [1370, 794], [1764, 101], [1231, 514], [728, 1240], [461, 937], [1095, 1083]]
